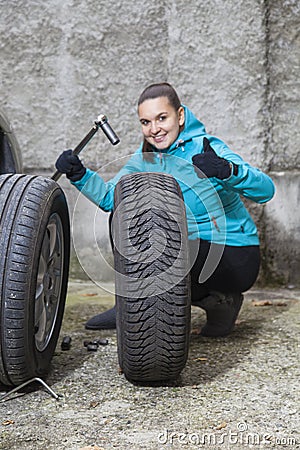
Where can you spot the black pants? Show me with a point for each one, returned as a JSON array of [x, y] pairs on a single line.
[[236, 270]]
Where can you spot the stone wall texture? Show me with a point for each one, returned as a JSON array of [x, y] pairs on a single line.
[[235, 64]]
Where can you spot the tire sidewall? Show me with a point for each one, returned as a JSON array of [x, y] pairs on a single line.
[[40, 360]]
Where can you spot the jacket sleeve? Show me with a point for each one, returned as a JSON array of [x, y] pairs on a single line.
[[100, 192], [249, 181]]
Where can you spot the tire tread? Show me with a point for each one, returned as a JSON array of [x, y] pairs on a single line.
[[153, 330]]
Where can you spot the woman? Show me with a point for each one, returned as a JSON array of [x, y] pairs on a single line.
[[224, 244]]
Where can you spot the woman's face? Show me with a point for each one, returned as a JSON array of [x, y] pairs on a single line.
[[160, 122]]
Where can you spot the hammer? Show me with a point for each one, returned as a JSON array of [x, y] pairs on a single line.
[[100, 122]]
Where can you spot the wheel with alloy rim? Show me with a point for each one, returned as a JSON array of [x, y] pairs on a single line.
[[34, 264], [49, 282]]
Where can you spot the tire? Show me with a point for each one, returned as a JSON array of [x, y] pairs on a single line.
[[34, 264], [152, 277]]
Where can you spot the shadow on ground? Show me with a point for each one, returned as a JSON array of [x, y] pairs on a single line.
[[208, 358], [211, 357]]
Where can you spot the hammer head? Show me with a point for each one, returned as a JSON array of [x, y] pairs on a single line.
[[102, 123]]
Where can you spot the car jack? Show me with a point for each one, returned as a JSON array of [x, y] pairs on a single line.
[[32, 380]]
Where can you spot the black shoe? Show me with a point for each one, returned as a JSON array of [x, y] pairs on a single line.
[[103, 321], [221, 312]]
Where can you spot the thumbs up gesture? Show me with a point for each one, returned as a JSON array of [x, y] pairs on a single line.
[[210, 164]]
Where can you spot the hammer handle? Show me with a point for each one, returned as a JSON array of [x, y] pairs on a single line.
[[78, 148]]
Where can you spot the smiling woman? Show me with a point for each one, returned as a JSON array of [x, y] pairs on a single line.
[[222, 240]]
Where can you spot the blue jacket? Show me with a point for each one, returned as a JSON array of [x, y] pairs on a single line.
[[215, 211]]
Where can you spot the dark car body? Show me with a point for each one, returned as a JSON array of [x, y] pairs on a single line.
[[10, 153]]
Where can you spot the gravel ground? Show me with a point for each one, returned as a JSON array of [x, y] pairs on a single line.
[[237, 392]]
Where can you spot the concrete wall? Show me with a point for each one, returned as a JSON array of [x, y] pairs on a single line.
[[282, 215], [236, 64]]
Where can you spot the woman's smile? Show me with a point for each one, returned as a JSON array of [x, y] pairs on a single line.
[[160, 138]]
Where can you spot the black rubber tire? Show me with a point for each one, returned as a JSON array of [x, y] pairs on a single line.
[[34, 265], [152, 277]]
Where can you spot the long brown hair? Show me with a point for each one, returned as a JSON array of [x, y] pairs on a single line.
[[154, 91]]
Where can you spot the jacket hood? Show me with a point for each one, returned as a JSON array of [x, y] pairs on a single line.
[[192, 128]]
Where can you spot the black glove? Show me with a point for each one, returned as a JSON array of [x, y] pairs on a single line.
[[212, 165], [70, 165]]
